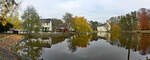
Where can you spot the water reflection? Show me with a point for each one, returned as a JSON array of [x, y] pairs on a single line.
[[144, 44], [130, 41], [32, 48], [136, 42], [125, 46], [81, 40]]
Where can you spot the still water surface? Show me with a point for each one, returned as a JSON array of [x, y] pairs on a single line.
[[97, 46]]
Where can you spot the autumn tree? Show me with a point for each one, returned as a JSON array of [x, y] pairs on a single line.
[[31, 20], [14, 19], [81, 25], [126, 22], [115, 28], [7, 7], [143, 19]]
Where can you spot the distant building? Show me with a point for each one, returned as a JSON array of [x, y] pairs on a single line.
[[94, 24], [61, 28], [104, 27], [46, 24], [50, 24]]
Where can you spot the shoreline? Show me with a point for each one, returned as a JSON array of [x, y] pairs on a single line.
[[139, 31]]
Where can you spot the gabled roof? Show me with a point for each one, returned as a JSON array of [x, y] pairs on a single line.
[[60, 26], [53, 20], [45, 20], [102, 24]]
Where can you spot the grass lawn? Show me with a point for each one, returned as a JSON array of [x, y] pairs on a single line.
[[140, 31], [2, 35]]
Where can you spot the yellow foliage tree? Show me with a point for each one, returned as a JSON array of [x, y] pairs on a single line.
[[139, 27], [14, 19], [7, 7], [115, 28], [81, 24]]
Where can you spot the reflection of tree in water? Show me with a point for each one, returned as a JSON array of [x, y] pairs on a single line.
[[58, 39], [129, 41], [32, 48], [144, 44], [94, 37], [136, 42], [126, 40], [81, 40]]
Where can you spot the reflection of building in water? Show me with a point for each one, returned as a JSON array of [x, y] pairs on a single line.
[[104, 35], [42, 41], [32, 48]]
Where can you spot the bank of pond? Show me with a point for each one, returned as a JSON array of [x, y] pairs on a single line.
[[87, 46]]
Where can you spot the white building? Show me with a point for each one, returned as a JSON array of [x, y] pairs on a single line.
[[105, 35], [46, 24], [104, 27]]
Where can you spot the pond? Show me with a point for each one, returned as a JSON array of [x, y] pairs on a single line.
[[96, 46]]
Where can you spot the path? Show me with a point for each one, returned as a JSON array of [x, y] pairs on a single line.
[[6, 44]]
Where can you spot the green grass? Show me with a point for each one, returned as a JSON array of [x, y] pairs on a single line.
[[141, 31], [1, 36], [135, 31]]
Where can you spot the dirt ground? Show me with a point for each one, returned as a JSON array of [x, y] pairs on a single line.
[[6, 44]]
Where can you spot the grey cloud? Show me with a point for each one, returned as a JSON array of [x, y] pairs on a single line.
[[100, 10]]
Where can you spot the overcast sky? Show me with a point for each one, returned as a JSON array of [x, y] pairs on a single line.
[[97, 10]]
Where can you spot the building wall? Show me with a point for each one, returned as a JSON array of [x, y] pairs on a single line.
[[47, 25], [105, 27], [50, 25], [109, 26], [101, 28]]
